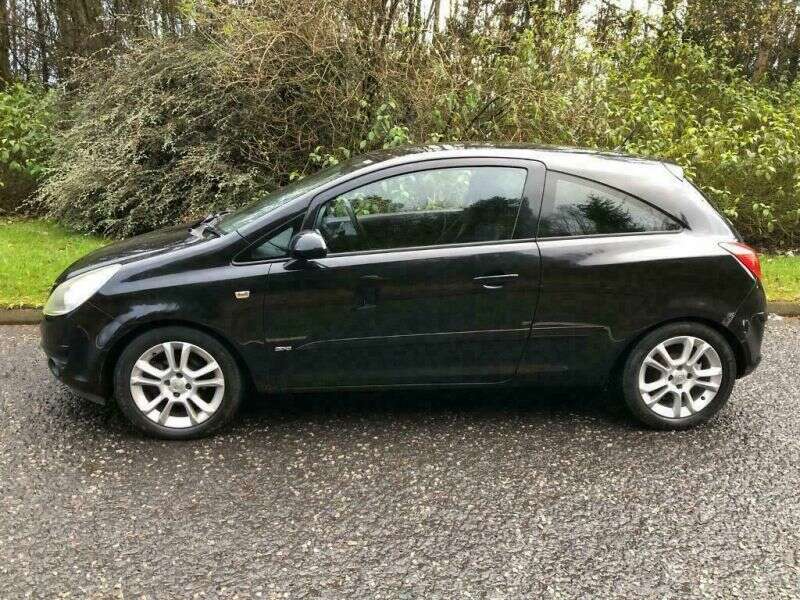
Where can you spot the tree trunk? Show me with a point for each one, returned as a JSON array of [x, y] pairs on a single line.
[[767, 42], [5, 45], [41, 40]]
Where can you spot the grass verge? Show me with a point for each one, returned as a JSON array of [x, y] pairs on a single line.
[[781, 277], [34, 252]]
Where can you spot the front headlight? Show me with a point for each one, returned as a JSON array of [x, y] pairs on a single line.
[[73, 292]]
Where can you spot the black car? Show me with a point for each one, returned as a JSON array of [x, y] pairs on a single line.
[[433, 266]]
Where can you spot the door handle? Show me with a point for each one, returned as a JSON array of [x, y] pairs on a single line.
[[367, 291], [495, 282]]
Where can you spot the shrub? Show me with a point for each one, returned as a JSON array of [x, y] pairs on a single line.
[[26, 119], [266, 92]]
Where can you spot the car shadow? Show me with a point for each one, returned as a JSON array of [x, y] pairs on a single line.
[[551, 408], [556, 405]]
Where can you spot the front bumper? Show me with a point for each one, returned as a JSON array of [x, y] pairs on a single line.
[[73, 354]]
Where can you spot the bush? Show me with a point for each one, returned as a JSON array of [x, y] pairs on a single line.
[[739, 141], [266, 92], [26, 119]]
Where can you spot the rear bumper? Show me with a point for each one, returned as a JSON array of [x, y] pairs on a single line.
[[748, 326], [73, 354]]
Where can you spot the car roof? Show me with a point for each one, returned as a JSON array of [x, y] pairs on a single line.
[[554, 157]]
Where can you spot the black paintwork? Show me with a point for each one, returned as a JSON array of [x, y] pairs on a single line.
[[549, 310]]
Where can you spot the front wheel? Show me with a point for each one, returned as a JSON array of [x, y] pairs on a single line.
[[679, 376], [177, 383]]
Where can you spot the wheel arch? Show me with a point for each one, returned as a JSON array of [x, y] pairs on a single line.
[[733, 342], [119, 345]]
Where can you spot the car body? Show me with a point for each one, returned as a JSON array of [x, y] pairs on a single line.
[[569, 260]]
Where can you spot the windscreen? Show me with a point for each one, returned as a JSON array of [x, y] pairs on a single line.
[[268, 203]]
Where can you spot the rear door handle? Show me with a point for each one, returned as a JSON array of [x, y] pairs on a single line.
[[495, 282]]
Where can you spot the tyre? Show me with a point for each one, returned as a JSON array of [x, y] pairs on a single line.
[[177, 383], [678, 376]]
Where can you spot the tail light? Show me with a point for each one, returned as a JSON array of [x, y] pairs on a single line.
[[746, 256]]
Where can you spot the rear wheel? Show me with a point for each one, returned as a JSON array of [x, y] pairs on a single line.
[[679, 376], [177, 383]]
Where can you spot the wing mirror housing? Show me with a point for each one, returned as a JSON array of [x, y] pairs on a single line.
[[308, 245]]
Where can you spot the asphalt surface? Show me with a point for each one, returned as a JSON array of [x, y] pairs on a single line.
[[505, 494]]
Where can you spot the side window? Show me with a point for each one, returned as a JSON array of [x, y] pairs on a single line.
[[581, 207], [276, 244], [426, 208]]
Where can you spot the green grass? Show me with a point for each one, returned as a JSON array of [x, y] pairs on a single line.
[[782, 277], [32, 254]]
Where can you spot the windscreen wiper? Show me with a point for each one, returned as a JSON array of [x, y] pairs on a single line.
[[209, 223], [211, 228]]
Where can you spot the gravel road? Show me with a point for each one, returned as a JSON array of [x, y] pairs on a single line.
[[505, 494]]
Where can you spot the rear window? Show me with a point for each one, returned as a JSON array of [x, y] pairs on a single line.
[[575, 206]]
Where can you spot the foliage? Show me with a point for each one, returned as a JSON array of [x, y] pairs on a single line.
[[32, 254], [26, 117], [265, 92], [738, 140]]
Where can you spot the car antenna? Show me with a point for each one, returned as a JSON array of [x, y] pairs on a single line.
[[628, 137]]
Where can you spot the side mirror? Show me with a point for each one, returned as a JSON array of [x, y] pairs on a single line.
[[308, 245]]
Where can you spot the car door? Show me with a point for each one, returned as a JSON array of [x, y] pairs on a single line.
[[423, 283]]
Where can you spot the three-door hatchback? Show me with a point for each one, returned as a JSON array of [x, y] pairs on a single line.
[[434, 266]]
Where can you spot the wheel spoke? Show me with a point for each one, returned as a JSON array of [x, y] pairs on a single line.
[[710, 385], [209, 368], [200, 403], [710, 372], [146, 367], [165, 412], [186, 350], [701, 350], [169, 351], [651, 362], [191, 412], [676, 405], [656, 398], [139, 380], [662, 351], [153, 403], [216, 382], [653, 386], [688, 346], [689, 402]]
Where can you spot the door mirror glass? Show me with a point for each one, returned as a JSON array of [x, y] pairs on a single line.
[[308, 245]]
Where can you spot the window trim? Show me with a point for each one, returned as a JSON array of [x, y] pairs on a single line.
[[588, 236], [546, 209], [532, 194]]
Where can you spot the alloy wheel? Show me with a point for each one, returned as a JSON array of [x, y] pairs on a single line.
[[177, 384], [680, 377]]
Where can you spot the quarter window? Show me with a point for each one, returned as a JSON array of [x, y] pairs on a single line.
[[276, 244], [425, 208], [581, 207]]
